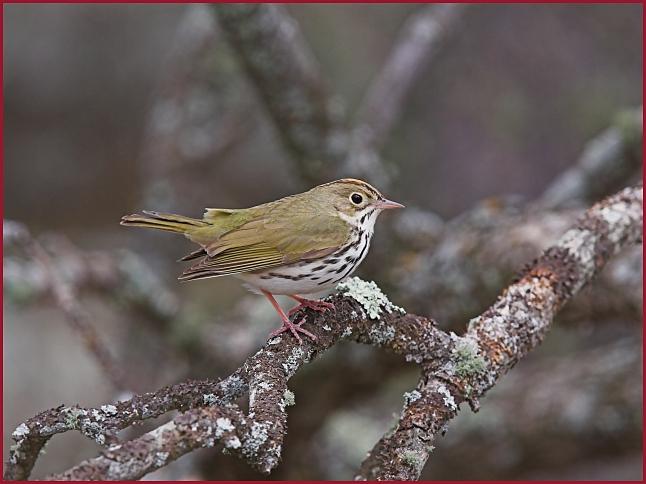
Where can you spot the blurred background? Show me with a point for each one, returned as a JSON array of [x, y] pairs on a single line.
[[110, 109]]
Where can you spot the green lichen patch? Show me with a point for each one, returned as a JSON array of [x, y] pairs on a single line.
[[368, 294], [467, 362], [73, 416]]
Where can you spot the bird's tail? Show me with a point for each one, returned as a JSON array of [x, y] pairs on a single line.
[[163, 221]]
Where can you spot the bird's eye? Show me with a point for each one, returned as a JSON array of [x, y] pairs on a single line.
[[356, 198]]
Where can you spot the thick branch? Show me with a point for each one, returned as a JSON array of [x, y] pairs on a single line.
[[264, 376], [504, 333], [308, 116], [274, 53], [548, 412]]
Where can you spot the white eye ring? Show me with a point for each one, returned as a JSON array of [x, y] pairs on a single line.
[[356, 198]]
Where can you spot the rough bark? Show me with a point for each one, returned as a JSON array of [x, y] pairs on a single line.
[[496, 340], [549, 414]]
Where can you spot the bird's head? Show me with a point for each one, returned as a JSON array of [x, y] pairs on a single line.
[[355, 201]]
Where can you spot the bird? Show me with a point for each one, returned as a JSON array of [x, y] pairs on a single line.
[[298, 245]]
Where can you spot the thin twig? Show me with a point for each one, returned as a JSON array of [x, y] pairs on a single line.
[[420, 38], [78, 317], [607, 163]]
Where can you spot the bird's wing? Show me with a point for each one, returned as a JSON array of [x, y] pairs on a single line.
[[291, 227], [234, 261], [281, 235]]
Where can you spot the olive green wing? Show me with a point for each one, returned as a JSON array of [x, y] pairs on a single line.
[[292, 227], [279, 235], [216, 223], [242, 259]]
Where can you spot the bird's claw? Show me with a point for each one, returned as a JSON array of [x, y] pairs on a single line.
[[318, 306], [293, 328]]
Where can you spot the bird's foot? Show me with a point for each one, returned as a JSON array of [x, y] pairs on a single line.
[[293, 328], [319, 306]]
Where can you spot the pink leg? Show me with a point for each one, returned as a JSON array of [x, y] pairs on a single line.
[[320, 306], [294, 328]]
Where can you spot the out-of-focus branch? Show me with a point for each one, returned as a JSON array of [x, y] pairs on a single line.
[[496, 340], [455, 369], [470, 257], [67, 300], [418, 41], [123, 280], [607, 163], [477, 253], [123, 274], [200, 112], [307, 115]]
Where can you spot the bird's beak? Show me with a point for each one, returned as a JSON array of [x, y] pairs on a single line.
[[386, 204]]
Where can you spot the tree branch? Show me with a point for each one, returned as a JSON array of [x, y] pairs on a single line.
[[276, 57], [454, 369], [496, 340], [263, 376], [308, 116], [585, 406], [123, 273], [470, 258], [607, 163], [420, 38], [201, 111], [66, 299]]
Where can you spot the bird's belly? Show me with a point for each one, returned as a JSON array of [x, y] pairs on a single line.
[[309, 277], [281, 284]]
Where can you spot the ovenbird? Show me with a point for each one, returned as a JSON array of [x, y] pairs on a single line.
[[301, 244]]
